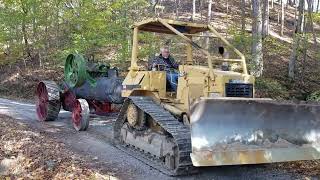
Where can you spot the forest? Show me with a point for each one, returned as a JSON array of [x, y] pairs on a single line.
[[279, 38], [159, 89]]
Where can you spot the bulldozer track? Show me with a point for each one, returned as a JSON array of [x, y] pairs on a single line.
[[179, 132]]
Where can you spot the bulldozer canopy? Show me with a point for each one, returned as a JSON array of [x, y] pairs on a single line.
[[154, 25]]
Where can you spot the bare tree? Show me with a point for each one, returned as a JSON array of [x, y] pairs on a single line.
[[227, 4], [243, 15], [265, 19], [300, 23], [209, 20], [201, 7], [310, 10], [177, 4], [154, 3], [257, 55], [24, 27], [282, 17], [209, 11], [304, 53], [295, 45], [193, 9], [295, 15]]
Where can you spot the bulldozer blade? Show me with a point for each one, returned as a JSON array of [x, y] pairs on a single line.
[[232, 131]]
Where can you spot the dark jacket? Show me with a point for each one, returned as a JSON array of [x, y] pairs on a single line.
[[169, 63]]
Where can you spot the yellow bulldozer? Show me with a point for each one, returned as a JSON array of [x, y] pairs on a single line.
[[213, 118]]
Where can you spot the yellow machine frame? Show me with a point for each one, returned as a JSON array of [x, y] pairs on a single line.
[[197, 81], [225, 129]]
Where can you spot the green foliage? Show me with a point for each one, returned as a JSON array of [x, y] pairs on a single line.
[[316, 17], [271, 45], [149, 44], [274, 46], [55, 28], [103, 23], [270, 88], [315, 96], [241, 40]]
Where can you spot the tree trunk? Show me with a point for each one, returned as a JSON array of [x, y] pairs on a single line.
[[295, 17], [294, 56], [227, 4], [282, 17], [295, 45], [154, 4], [208, 21], [57, 25], [35, 35], [272, 4], [265, 19], [300, 22], [201, 7], [25, 34], [209, 11], [26, 43], [243, 15], [304, 60], [290, 2], [177, 8], [318, 6], [310, 11], [257, 55], [193, 10]]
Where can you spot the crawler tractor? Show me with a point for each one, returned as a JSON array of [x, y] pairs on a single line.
[[213, 118]]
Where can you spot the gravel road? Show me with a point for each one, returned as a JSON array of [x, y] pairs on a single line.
[[96, 143]]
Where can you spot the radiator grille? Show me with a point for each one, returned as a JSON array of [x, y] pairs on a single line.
[[239, 90]]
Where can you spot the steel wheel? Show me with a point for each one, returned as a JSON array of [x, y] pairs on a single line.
[[47, 101], [68, 99], [80, 115]]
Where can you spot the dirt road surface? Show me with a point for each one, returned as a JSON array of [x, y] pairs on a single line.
[[96, 144]]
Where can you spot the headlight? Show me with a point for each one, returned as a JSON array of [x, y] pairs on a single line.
[[215, 95], [236, 81]]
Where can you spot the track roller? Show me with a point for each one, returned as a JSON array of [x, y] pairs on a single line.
[[136, 117]]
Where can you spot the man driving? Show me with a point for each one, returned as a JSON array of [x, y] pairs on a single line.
[[165, 62]]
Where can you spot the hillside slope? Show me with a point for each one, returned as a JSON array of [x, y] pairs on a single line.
[[17, 80]]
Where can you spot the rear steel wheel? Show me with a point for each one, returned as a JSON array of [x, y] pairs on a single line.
[[47, 101], [80, 115]]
